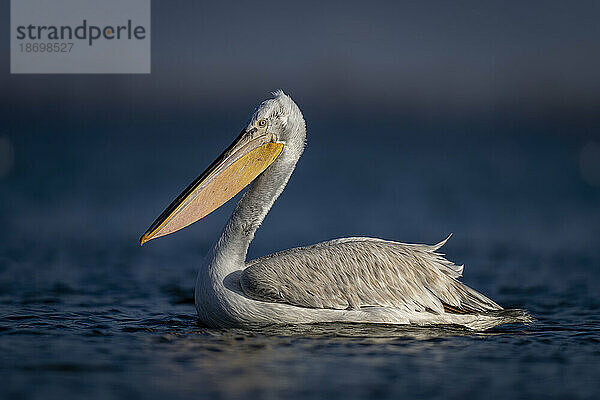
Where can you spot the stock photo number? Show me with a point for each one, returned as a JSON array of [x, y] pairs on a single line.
[[62, 47]]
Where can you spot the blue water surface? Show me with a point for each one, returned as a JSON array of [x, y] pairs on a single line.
[[87, 313]]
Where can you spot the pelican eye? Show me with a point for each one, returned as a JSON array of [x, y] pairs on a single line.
[[262, 123]]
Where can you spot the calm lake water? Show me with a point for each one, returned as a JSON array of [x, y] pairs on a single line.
[[86, 313]]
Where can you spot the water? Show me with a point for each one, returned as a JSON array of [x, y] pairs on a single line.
[[85, 312]]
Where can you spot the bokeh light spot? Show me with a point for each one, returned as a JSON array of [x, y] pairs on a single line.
[[7, 156], [589, 163]]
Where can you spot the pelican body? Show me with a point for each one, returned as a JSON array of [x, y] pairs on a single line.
[[357, 279]]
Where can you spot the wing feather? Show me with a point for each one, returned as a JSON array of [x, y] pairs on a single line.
[[353, 273]]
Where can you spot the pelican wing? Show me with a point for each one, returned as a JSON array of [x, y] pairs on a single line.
[[353, 273]]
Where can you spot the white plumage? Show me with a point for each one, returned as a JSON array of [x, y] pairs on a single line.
[[362, 280], [355, 273]]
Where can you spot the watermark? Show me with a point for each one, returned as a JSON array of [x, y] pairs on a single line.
[[79, 36]]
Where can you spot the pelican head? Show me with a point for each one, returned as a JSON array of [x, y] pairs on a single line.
[[276, 131]]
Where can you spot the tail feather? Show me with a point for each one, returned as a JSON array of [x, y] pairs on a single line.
[[490, 319]]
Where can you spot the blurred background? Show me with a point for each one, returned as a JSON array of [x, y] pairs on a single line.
[[424, 118], [420, 115]]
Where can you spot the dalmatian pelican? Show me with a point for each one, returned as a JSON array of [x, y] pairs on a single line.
[[355, 280]]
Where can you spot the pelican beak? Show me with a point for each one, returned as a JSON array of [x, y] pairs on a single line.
[[245, 159]]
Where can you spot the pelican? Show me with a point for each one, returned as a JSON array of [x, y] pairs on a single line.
[[354, 280]]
